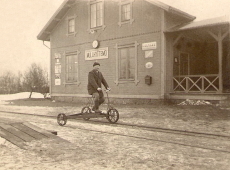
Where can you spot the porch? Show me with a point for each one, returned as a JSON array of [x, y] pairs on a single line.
[[200, 53]]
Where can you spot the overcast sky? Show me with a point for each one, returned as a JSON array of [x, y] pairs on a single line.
[[22, 20]]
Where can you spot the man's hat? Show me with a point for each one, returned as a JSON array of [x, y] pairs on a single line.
[[96, 63]]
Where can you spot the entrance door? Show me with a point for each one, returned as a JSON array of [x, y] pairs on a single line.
[[184, 68]]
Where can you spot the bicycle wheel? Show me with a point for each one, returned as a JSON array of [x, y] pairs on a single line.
[[61, 119], [112, 115], [85, 110]]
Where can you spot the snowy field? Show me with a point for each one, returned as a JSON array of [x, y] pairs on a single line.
[[22, 95]]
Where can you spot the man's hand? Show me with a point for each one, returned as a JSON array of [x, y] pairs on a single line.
[[107, 90], [98, 89]]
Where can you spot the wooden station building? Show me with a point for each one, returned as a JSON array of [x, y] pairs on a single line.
[[147, 50]]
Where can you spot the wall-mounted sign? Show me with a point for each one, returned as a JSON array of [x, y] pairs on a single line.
[[57, 68], [57, 55], [149, 54], [57, 79], [57, 82], [95, 54], [149, 65], [149, 45]]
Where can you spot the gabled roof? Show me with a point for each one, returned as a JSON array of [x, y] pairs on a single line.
[[63, 9], [54, 20], [171, 9]]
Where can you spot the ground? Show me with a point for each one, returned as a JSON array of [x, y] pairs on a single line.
[[100, 146]]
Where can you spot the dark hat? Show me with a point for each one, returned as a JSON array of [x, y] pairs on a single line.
[[96, 63]]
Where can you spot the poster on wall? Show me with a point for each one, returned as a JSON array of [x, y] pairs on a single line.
[[57, 81], [57, 68]]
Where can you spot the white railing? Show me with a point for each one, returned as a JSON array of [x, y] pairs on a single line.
[[196, 83]]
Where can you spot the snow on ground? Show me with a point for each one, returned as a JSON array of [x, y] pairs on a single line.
[[22, 95]]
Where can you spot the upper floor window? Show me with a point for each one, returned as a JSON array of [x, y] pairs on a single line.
[[96, 15], [71, 25], [125, 12]]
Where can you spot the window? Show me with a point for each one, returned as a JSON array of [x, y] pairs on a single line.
[[125, 14], [126, 65], [96, 15], [71, 68], [71, 26]]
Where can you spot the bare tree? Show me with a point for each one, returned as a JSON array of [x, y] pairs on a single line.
[[7, 82], [35, 79]]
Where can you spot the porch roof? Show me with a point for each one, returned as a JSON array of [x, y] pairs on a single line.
[[224, 20]]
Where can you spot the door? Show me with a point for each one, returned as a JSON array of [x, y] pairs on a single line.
[[184, 67]]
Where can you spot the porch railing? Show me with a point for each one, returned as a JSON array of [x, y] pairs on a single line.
[[196, 83]]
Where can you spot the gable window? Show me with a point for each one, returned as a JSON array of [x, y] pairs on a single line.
[[125, 12], [96, 15], [71, 26], [71, 68], [126, 65]]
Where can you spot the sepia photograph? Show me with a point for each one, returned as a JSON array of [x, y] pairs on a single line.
[[115, 85]]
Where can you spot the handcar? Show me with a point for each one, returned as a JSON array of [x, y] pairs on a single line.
[[111, 114]]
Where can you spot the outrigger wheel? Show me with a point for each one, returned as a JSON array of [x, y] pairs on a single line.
[[61, 119], [112, 115], [84, 111]]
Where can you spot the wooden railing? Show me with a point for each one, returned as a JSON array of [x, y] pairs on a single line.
[[196, 83]]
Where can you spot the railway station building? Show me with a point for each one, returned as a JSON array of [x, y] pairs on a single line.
[[147, 50]]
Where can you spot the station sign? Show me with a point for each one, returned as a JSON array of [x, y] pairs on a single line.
[[95, 54], [149, 45]]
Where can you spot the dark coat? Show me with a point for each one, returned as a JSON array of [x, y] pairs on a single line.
[[95, 79]]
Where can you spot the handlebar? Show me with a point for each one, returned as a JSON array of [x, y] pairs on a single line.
[[106, 90]]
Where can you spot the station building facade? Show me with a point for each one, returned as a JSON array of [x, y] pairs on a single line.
[[147, 50]]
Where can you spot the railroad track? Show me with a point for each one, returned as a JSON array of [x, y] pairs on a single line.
[[150, 129]]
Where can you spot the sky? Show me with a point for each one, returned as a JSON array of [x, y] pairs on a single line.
[[22, 20]]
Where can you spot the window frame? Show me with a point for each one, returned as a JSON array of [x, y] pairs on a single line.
[[121, 4], [68, 26], [117, 48], [67, 82], [102, 26]]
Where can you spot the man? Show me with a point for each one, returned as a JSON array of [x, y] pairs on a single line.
[[95, 79]]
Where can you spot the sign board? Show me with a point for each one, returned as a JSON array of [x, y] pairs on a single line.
[[57, 68], [149, 54], [57, 82], [57, 55], [149, 45], [95, 54]]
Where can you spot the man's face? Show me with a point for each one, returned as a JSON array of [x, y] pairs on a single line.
[[96, 67]]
